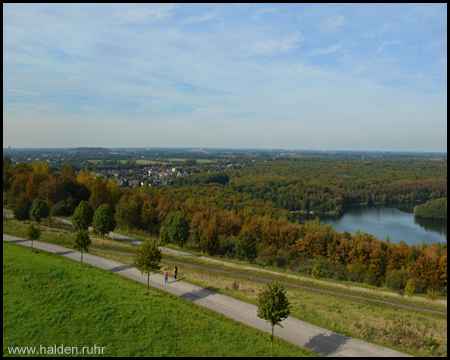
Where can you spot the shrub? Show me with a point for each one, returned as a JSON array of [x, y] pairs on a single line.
[[397, 279], [410, 287], [317, 271], [235, 285], [420, 286], [431, 294]]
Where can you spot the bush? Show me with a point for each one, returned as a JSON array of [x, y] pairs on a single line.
[[397, 279], [420, 286], [235, 285], [317, 271], [410, 287], [431, 294]]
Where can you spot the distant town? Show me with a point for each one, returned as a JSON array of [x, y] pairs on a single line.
[[134, 167]]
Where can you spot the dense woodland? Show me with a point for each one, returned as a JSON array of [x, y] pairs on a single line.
[[246, 213], [433, 209]]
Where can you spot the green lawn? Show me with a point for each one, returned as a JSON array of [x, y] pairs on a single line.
[[49, 300], [416, 332]]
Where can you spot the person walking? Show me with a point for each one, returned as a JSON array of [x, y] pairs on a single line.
[[166, 276], [201, 254], [175, 273]]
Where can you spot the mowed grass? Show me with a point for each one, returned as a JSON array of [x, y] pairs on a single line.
[[49, 300], [411, 331]]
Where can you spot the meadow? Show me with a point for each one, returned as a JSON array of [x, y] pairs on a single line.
[[411, 331], [49, 300]]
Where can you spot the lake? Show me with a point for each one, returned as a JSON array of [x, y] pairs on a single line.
[[381, 221]]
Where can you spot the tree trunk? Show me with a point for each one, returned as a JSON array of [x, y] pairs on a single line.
[[272, 339]]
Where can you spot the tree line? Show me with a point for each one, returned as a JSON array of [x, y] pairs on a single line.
[[251, 229], [433, 209]]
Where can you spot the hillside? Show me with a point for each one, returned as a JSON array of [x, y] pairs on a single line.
[[80, 307], [90, 150]]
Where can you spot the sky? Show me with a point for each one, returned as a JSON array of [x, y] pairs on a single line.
[[288, 76]]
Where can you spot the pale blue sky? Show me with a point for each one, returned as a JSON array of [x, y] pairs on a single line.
[[292, 76]]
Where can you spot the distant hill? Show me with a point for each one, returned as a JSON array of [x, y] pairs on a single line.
[[90, 150]]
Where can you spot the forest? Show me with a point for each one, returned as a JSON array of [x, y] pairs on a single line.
[[246, 213], [433, 209]]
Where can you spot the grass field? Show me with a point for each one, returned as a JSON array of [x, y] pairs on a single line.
[[49, 300], [416, 332]]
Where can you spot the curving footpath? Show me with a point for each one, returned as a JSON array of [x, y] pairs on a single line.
[[314, 338]]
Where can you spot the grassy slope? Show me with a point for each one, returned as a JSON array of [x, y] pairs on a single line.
[[49, 300], [415, 332]]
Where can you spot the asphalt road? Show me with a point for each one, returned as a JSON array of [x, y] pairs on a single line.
[[321, 341]]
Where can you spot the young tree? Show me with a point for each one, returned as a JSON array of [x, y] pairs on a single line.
[[32, 233], [82, 242], [273, 305], [39, 210], [164, 236], [83, 216], [317, 271], [147, 259], [22, 207], [104, 221], [410, 287]]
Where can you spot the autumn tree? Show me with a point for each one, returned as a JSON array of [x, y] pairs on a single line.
[[246, 245], [147, 259], [128, 211], [273, 305], [209, 240]]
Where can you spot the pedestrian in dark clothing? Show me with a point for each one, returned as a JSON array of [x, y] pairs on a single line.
[[175, 273]]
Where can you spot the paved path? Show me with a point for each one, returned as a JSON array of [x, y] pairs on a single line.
[[227, 263], [321, 341]]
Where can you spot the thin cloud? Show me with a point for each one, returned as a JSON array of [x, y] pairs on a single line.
[[327, 50], [262, 11], [388, 43], [195, 19], [336, 21], [271, 46], [145, 14]]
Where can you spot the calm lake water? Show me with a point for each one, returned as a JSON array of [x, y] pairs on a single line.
[[381, 221]]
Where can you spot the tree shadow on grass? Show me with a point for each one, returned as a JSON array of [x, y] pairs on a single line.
[[326, 345]]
